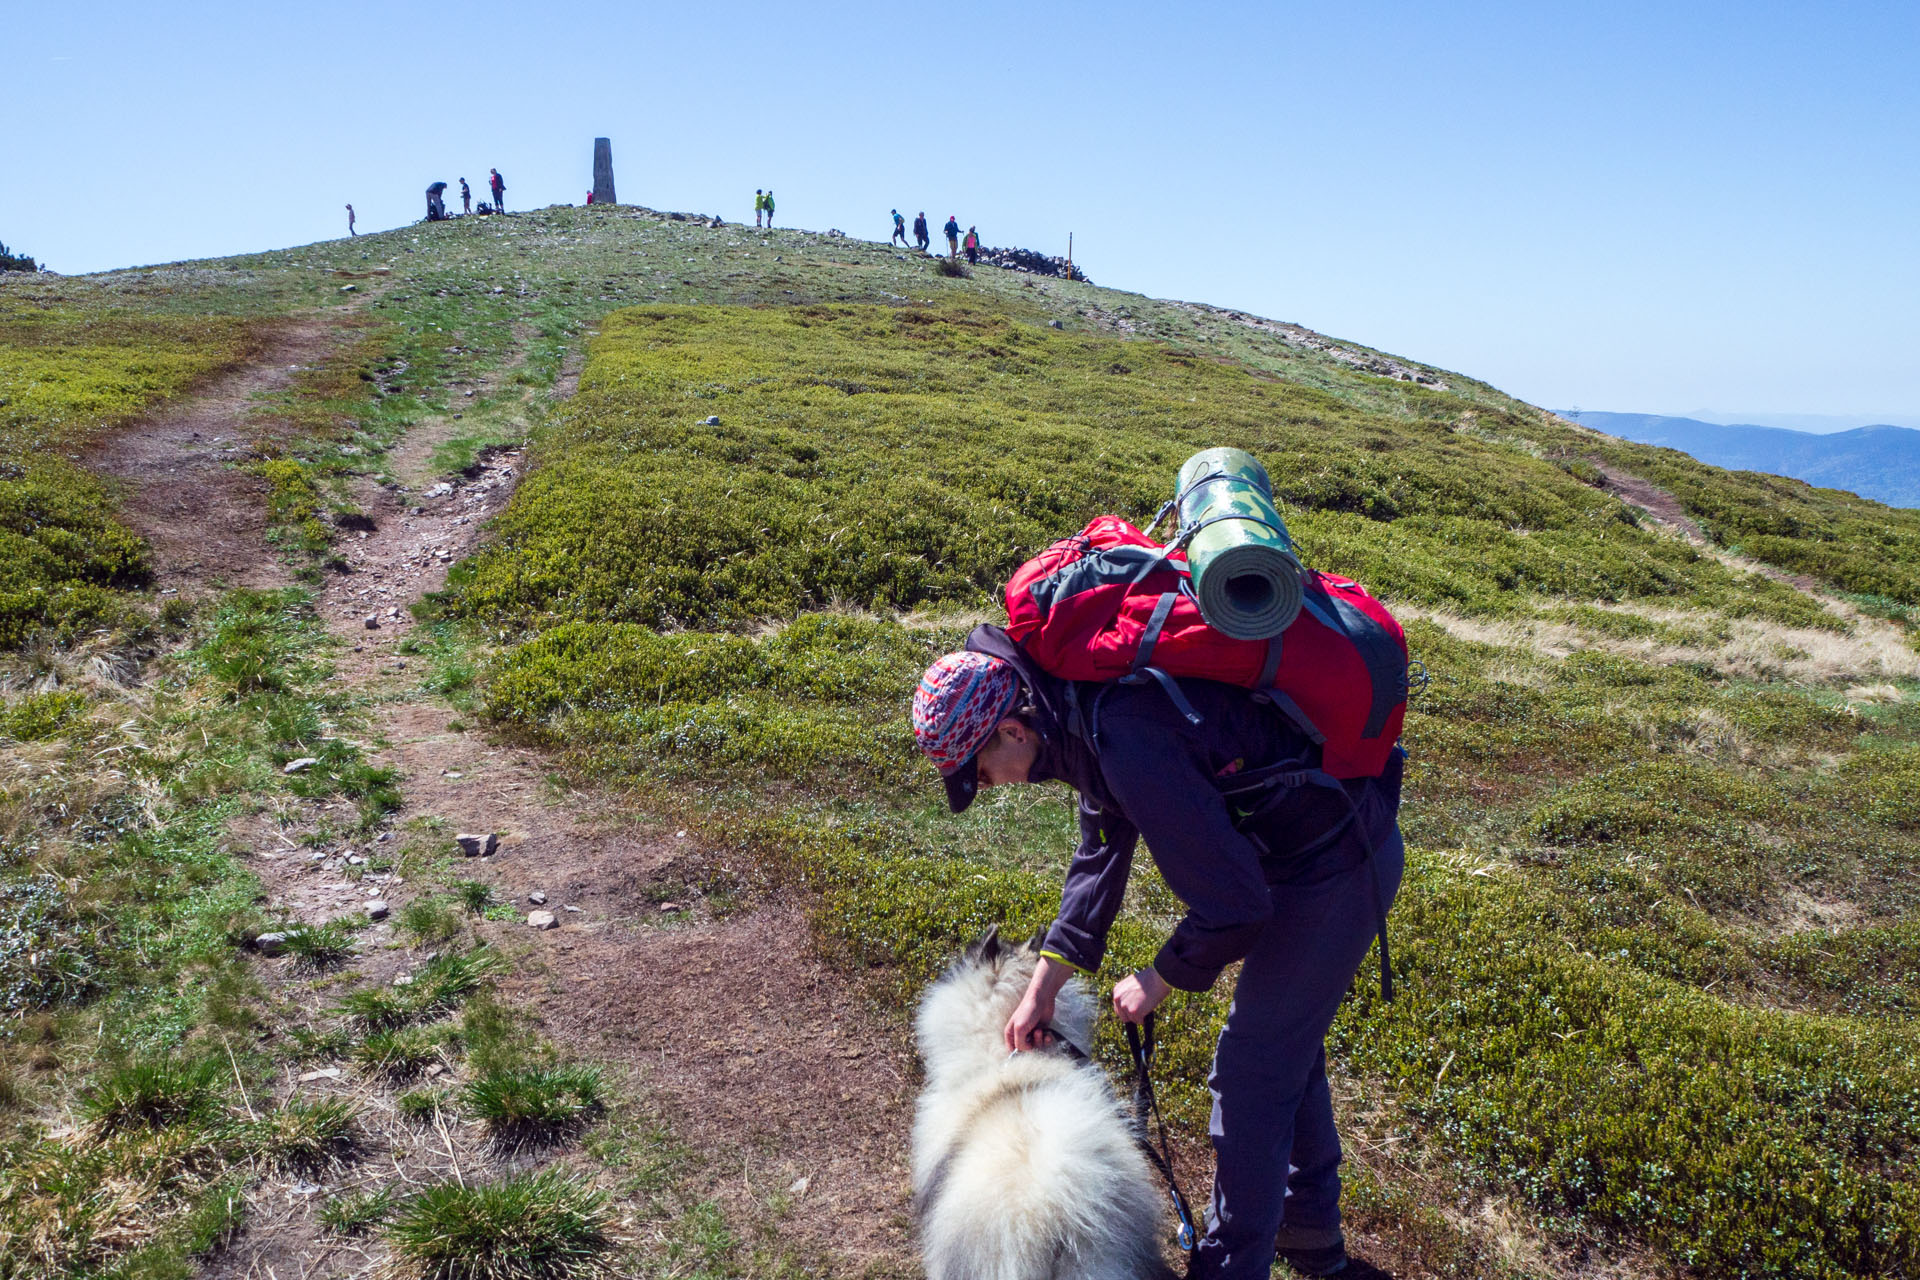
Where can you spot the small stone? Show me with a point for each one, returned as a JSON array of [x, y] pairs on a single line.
[[1055, 324], [669, 906], [271, 944], [679, 835], [712, 420], [542, 920], [572, 908], [476, 845], [372, 622], [441, 490], [376, 909], [538, 897], [384, 837], [434, 1069], [321, 1073], [303, 763], [355, 860], [799, 1187]]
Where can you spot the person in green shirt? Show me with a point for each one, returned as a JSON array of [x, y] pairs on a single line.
[[769, 208]]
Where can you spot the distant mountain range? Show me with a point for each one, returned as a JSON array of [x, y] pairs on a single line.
[[1881, 462]]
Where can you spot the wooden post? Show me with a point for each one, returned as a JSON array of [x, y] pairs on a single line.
[[1069, 255]]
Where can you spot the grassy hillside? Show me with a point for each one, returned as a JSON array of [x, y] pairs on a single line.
[[1658, 945]]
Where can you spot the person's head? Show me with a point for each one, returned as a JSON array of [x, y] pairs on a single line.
[[966, 720]]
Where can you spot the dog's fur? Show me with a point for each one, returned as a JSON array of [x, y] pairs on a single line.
[[1024, 1165]]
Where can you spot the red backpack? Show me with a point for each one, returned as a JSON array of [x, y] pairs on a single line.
[[1109, 603]]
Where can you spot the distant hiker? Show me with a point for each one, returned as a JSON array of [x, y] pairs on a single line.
[[589, 197], [499, 187], [436, 208], [759, 205], [899, 229], [769, 208], [972, 244], [952, 230], [350, 230], [466, 197], [920, 236]]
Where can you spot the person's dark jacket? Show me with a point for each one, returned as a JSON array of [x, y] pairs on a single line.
[[919, 228], [951, 230], [1150, 772]]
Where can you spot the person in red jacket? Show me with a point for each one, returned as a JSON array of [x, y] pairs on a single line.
[[499, 187], [1293, 882]]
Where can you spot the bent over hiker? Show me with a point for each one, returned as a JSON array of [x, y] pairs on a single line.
[[1291, 880]]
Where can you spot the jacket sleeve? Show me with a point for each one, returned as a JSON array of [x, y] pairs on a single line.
[[1155, 775], [1096, 883]]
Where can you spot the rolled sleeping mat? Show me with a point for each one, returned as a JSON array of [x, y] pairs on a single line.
[[1246, 574]]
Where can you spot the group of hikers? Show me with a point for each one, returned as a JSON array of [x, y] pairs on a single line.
[[763, 204], [956, 244], [436, 201]]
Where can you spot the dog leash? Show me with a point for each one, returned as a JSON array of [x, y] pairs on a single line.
[[1140, 1044]]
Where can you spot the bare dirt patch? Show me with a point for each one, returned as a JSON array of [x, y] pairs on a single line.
[[204, 519]]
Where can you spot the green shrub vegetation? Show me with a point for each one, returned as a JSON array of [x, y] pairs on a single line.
[[1614, 1006]]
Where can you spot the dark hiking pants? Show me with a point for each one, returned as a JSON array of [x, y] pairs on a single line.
[[1273, 1138]]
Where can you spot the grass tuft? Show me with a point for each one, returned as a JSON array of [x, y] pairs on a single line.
[[153, 1093], [541, 1226], [355, 1213], [525, 1103], [304, 1135]]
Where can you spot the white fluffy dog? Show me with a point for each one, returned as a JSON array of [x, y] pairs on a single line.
[[1024, 1165]]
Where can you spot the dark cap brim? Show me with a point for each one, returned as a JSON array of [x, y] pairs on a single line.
[[963, 784]]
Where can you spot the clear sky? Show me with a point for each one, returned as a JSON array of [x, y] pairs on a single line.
[[1658, 208]]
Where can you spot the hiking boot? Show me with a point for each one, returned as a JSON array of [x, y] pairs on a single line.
[[1312, 1251]]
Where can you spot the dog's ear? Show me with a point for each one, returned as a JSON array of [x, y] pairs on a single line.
[[1035, 942], [986, 948]]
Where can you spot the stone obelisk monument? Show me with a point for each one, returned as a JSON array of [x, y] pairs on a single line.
[[603, 172]]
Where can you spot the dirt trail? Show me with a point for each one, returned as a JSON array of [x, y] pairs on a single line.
[[204, 520], [760, 1058]]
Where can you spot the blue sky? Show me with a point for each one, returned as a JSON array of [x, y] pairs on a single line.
[[1652, 208]]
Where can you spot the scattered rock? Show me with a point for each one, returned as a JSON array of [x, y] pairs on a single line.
[[800, 1185], [713, 420], [441, 490], [477, 844], [355, 860], [376, 909], [1055, 324], [572, 908], [349, 288], [538, 897], [434, 1069], [542, 920], [321, 1073], [303, 763], [1038, 264], [372, 623], [669, 906], [271, 944]]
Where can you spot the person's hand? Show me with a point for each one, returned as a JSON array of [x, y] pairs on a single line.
[[1139, 994], [1023, 1030]]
